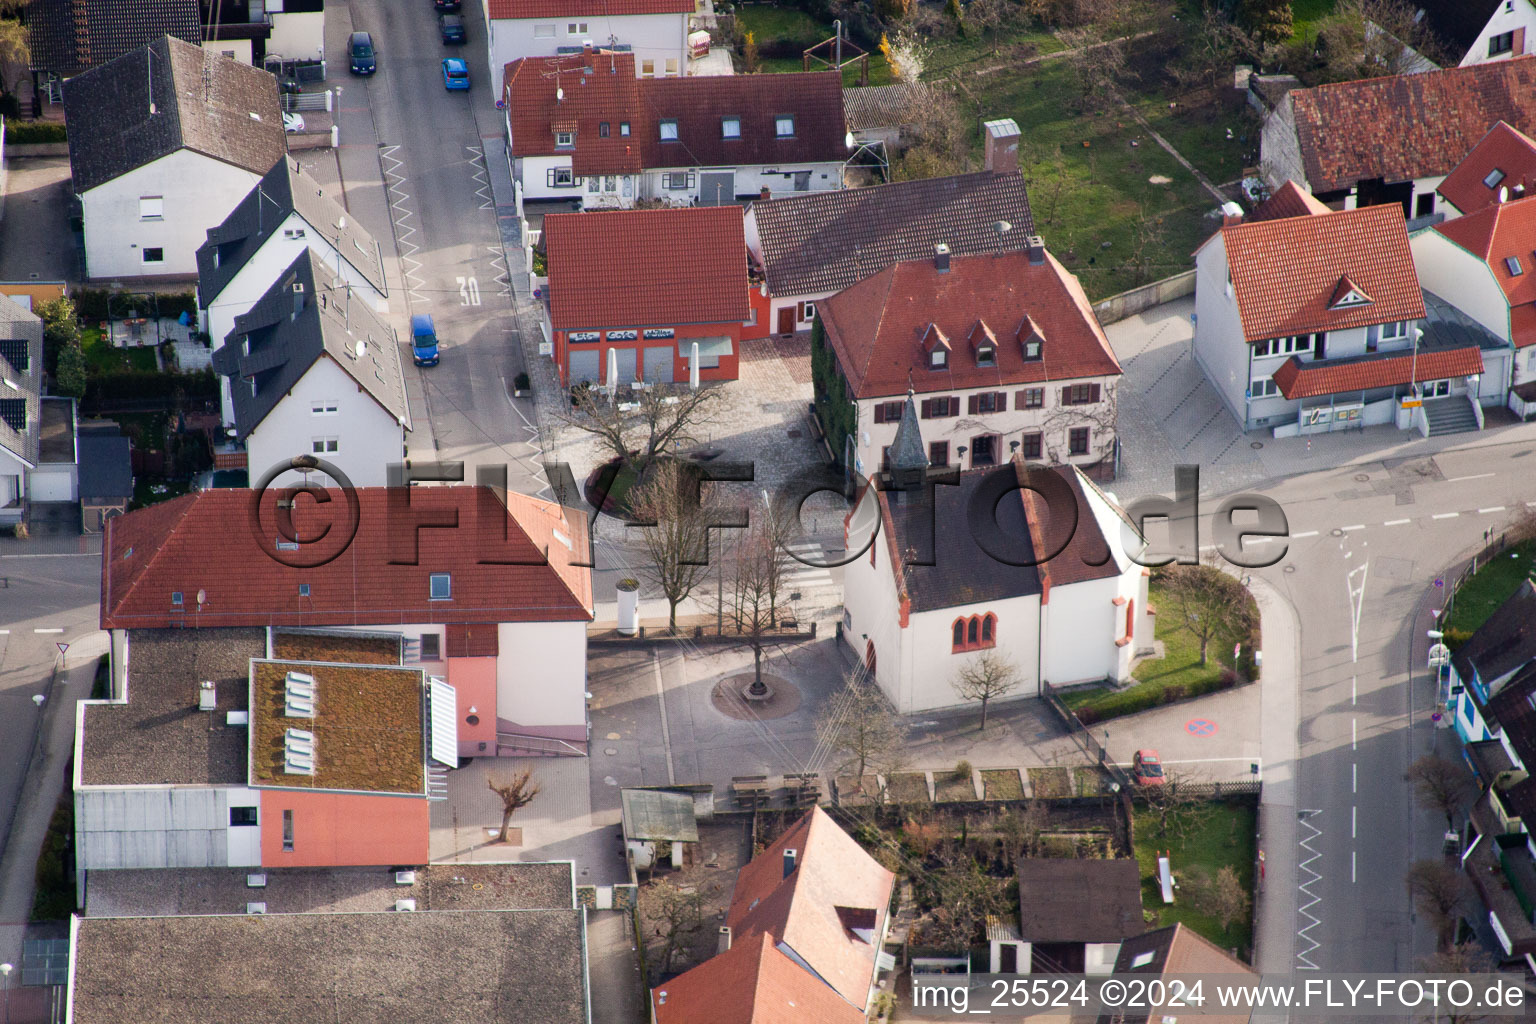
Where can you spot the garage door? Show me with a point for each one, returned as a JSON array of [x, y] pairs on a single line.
[[717, 188], [658, 365], [583, 366], [627, 358], [54, 485]]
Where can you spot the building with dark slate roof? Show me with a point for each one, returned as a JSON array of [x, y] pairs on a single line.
[[164, 141], [21, 382], [1046, 582]]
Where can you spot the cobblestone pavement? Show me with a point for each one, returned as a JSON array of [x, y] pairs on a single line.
[[1170, 414]]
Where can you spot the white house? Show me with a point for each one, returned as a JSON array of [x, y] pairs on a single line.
[[654, 32], [810, 246], [497, 606], [931, 591], [1391, 139], [584, 128], [1003, 352], [164, 142], [1480, 31], [21, 382], [286, 213], [311, 370]]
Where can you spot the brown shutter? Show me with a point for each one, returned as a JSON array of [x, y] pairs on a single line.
[[1020, 399], [1002, 401], [1066, 396], [879, 412], [974, 404], [954, 406], [1093, 393], [1519, 43]]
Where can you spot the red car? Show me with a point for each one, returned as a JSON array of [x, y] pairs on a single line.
[[1147, 769]]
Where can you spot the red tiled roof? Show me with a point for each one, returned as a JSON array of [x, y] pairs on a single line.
[[208, 542], [633, 268], [877, 326], [1285, 272], [753, 982], [800, 911], [598, 87], [1407, 126], [472, 640], [497, 9], [1496, 234], [1503, 149], [1289, 200], [1522, 326], [1297, 379]]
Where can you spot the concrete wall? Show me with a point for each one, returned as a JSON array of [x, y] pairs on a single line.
[[1219, 346], [1521, 21], [300, 34], [541, 677], [1129, 303], [343, 829], [198, 193], [654, 37], [368, 437], [1279, 149]]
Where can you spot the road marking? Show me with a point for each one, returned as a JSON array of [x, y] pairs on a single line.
[[56, 630], [1475, 476], [1313, 533], [1357, 526], [1303, 956], [1353, 694], [1445, 515], [1485, 511], [1530, 504], [1354, 777], [1396, 522], [1354, 735], [1351, 867], [1354, 822]]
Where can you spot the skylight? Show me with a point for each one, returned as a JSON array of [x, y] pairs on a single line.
[[1512, 264], [1494, 177]]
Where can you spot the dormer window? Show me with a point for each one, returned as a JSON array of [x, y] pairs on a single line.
[[602, 130], [730, 127], [784, 126], [669, 129], [983, 344], [565, 140], [938, 359], [1348, 295], [986, 355], [1032, 349], [1031, 340]]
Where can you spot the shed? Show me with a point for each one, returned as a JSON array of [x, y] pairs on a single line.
[[651, 816]]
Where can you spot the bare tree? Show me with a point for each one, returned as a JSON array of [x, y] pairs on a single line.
[[677, 537], [860, 728], [679, 914], [1221, 896], [1439, 891], [1208, 603], [940, 134], [1020, 832], [963, 896], [516, 793], [759, 566], [1096, 61], [984, 678], [649, 423], [1463, 958], [1367, 38], [1441, 784], [1177, 807]]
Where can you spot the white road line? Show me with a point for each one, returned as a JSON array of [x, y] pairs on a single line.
[[1357, 526], [1313, 533], [1354, 777], [1354, 735], [1353, 684], [1530, 504], [1354, 821], [1396, 522], [1445, 515], [56, 630], [1485, 511], [1351, 867], [1475, 476], [5, 632], [666, 735]]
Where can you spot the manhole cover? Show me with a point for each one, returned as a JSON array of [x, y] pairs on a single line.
[[1255, 445], [1361, 478], [609, 780], [1289, 568], [610, 751], [1337, 533]]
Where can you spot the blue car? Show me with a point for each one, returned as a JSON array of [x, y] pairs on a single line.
[[423, 340], [455, 73]]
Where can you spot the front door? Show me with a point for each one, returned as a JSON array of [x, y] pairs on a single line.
[[1436, 388], [787, 320], [1008, 962], [802, 181]]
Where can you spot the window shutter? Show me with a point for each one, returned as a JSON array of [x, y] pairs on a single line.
[[1020, 399], [928, 408], [974, 404], [1002, 401], [1066, 396], [1093, 393], [549, 177], [879, 412], [1518, 46]]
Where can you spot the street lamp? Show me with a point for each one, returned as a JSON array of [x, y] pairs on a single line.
[[5, 971]]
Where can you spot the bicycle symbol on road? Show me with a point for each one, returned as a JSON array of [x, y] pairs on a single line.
[[1200, 727]]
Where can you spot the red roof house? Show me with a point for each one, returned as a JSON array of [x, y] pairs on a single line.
[[1503, 163], [646, 286]]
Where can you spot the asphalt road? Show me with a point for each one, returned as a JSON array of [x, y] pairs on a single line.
[[1383, 531]]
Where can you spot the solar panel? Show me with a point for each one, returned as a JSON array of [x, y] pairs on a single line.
[[45, 962], [442, 701]]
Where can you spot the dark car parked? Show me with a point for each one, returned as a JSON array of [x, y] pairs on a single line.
[[453, 28], [447, 5], [360, 49]]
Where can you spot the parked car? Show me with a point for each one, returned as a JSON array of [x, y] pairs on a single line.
[[360, 49], [293, 122], [423, 340], [455, 73], [289, 84], [447, 5], [1147, 769], [452, 27]]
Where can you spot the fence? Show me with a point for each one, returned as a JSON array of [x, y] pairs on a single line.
[[1129, 303], [308, 100], [1083, 735], [1478, 561]]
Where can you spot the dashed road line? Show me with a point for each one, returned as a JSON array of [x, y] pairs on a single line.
[[1486, 511], [1475, 476], [1299, 536], [1396, 522], [1445, 515], [52, 630], [1357, 526]]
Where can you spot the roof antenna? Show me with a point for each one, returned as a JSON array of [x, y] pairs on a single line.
[[149, 77]]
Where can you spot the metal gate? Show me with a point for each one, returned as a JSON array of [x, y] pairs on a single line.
[[583, 366], [658, 365], [717, 188], [627, 358]]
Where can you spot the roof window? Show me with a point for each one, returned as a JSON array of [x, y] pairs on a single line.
[[730, 127], [1494, 177], [784, 126], [1512, 264], [440, 586], [669, 129]]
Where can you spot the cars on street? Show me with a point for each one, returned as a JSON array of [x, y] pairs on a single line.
[[423, 340], [1147, 769], [455, 74], [293, 122], [447, 5], [452, 28], [363, 58]]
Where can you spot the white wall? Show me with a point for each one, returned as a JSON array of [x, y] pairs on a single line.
[[930, 664], [267, 264], [243, 842], [751, 179], [1081, 625], [1523, 16], [152, 827], [238, 49], [53, 482], [368, 437], [651, 37], [13, 485], [872, 613], [541, 673], [533, 172], [300, 34], [1219, 345], [1099, 957], [198, 193], [1460, 278]]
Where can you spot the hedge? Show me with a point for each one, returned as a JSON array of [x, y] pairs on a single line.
[[101, 303], [27, 133], [1138, 698], [202, 384]]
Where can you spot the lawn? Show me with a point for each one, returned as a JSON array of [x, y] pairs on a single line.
[[1001, 784], [1217, 835], [1488, 588], [1305, 14], [782, 33], [101, 357], [152, 492]]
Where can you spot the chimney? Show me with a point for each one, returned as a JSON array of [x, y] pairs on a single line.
[[765, 194], [1035, 246], [940, 260], [789, 862], [298, 299], [207, 696], [723, 943], [1231, 214], [1002, 145]]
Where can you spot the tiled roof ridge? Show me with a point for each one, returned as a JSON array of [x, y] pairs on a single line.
[[186, 502]]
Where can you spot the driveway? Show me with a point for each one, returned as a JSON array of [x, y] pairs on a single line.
[[36, 243]]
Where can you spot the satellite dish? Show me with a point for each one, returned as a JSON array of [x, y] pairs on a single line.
[[848, 139], [341, 222], [1503, 193], [360, 348], [1002, 227], [202, 597], [559, 94]]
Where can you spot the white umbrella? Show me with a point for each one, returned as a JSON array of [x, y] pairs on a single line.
[[613, 371], [693, 368]]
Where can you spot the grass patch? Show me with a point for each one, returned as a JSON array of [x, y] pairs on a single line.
[[1001, 784], [152, 492], [1486, 589], [771, 23], [55, 896], [1051, 783], [1305, 14], [907, 788], [1220, 835], [1088, 781], [102, 358], [949, 787]]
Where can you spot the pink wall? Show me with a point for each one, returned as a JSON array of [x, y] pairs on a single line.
[[474, 679], [343, 829]]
